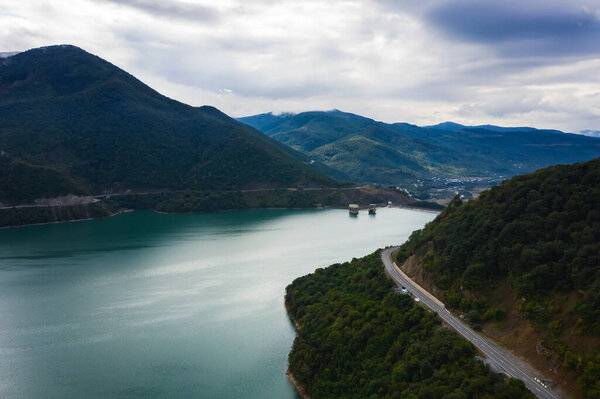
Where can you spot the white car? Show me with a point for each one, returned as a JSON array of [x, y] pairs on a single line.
[[417, 300]]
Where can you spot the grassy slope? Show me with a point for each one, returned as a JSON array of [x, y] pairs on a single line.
[[524, 259]]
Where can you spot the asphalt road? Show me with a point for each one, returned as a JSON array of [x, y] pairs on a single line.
[[493, 353]]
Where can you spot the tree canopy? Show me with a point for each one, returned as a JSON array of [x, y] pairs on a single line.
[[360, 339]]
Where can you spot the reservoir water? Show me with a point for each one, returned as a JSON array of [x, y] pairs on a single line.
[[144, 305]]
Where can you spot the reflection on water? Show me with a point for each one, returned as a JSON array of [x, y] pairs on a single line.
[[145, 305]]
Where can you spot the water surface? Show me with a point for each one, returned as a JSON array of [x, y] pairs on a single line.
[[144, 305]]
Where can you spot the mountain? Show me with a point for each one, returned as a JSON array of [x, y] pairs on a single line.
[[523, 262], [365, 150], [71, 122], [454, 127], [375, 152]]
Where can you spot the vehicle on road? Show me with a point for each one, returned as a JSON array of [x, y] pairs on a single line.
[[495, 355]]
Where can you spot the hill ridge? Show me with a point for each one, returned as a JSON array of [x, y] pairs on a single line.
[[66, 110], [450, 157], [523, 262]]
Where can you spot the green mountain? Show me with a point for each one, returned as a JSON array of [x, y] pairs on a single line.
[[71, 122], [523, 262], [455, 127], [399, 154]]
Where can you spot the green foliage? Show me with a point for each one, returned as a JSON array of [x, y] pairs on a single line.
[[541, 232], [555, 327], [474, 316], [359, 339], [21, 182], [22, 216], [588, 368], [589, 381], [496, 314]]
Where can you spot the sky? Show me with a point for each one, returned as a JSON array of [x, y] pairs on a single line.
[[506, 62]]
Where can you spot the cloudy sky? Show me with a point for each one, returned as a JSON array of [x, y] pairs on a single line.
[[508, 62]]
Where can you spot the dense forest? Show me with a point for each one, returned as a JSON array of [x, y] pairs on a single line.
[[71, 122], [358, 338], [541, 233], [53, 214]]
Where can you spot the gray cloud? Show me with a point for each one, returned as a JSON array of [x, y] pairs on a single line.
[[171, 9], [521, 27], [526, 62]]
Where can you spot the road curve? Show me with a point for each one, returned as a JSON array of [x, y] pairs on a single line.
[[493, 353]]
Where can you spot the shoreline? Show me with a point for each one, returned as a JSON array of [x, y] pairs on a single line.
[[287, 310], [203, 212], [416, 208], [297, 386], [68, 221]]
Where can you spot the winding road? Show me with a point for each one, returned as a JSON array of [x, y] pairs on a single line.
[[496, 356]]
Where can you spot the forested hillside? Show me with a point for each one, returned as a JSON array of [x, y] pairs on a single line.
[[538, 236], [447, 156], [71, 122], [357, 338]]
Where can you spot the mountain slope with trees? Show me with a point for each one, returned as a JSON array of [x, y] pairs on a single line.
[[399, 154], [70, 117], [535, 239], [357, 338]]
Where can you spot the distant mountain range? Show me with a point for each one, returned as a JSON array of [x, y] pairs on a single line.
[[400, 154], [71, 122], [591, 133], [454, 127]]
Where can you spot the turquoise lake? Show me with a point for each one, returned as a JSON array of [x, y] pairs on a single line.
[[145, 305]]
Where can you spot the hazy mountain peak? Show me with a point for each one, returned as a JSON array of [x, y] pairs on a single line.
[[8, 54], [446, 126], [591, 133], [453, 126]]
